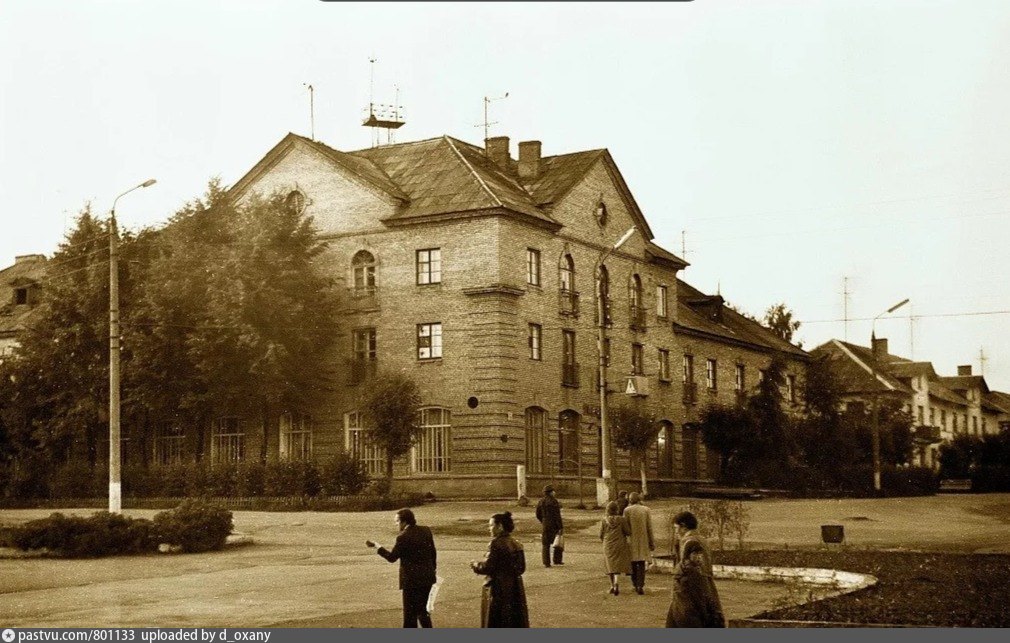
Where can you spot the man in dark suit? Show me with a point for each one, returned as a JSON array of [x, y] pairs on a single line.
[[549, 515], [415, 549]]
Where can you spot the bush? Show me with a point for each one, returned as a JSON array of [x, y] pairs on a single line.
[[909, 481], [194, 526], [989, 479], [250, 479], [291, 478], [344, 475], [721, 519], [74, 479], [102, 534]]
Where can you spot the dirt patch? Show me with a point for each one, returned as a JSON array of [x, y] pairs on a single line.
[[916, 589]]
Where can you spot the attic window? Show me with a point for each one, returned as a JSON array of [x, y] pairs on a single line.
[[295, 201], [601, 213], [20, 296]]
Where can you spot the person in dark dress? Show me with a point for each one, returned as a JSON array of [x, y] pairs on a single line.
[[415, 549], [549, 515], [503, 601]]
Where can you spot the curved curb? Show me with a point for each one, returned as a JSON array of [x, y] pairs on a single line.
[[843, 581]]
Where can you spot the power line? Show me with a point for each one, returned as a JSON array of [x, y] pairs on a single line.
[[917, 317]]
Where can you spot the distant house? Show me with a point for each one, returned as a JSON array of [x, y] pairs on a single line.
[[19, 297], [940, 407]]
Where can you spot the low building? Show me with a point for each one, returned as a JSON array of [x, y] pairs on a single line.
[[20, 286]]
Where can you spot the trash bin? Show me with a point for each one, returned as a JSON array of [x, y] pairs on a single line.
[[833, 533]]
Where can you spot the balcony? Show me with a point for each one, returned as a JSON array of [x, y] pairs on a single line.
[[359, 370], [362, 299], [570, 375], [568, 303], [690, 393], [927, 434], [636, 318], [606, 312]]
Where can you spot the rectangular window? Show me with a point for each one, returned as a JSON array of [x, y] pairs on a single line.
[[536, 333], [429, 266], [932, 417], [637, 366], [20, 296], [360, 447], [227, 441], [974, 424], [664, 365], [661, 302], [532, 267], [711, 376], [169, 445], [741, 378], [364, 344], [429, 341], [688, 368], [943, 418], [536, 440], [791, 388], [921, 415], [569, 367], [296, 437], [433, 446]]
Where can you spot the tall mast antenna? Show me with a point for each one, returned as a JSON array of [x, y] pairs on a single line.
[[487, 124], [387, 117], [845, 305], [312, 111]]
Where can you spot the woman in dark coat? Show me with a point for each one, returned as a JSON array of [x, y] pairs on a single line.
[[503, 603], [695, 599], [614, 532]]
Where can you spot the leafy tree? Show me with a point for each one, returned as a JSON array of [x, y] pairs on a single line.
[[779, 319], [633, 432], [391, 408], [729, 431]]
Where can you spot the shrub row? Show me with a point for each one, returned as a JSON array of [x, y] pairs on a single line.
[[193, 526], [856, 480], [339, 476]]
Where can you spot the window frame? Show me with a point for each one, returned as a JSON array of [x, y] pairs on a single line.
[[740, 378], [664, 365], [428, 263], [533, 271], [712, 374], [662, 301], [363, 271], [535, 341], [432, 451], [230, 439], [368, 352], [637, 359], [357, 444], [299, 429], [433, 343]]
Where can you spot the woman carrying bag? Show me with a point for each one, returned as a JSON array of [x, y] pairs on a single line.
[[503, 601], [614, 532]]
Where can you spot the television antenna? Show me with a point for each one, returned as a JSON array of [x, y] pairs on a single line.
[[487, 124], [381, 116]]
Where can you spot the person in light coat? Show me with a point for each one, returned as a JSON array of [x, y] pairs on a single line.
[[614, 533], [642, 543]]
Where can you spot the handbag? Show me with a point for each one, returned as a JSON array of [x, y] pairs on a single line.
[[433, 594], [559, 541]]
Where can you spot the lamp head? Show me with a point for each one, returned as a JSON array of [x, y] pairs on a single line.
[[897, 306], [148, 183], [623, 239]]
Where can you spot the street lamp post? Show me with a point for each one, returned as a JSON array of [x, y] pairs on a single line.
[[115, 475], [606, 451], [876, 404]]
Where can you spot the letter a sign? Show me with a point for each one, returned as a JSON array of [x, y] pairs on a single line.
[[631, 389]]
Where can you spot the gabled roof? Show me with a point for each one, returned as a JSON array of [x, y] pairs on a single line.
[[25, 271], [695, 315], [999, 399], [965, 382], [664, 257], [907, 369], [856, 369]]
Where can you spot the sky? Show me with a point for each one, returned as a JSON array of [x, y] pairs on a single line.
[[791, 151]]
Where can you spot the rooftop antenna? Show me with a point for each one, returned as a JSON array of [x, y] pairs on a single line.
[[982, 359], [312, 111], [487, 124], [845, 305], [911, 332], [382, 116]]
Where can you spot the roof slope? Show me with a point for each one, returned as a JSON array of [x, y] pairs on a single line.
[[852, 366], [13, 318], [965, 382], [693, 307]]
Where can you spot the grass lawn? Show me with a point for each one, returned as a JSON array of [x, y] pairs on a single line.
[[917, 589]]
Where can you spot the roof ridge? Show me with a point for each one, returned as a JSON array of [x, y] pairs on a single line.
[[473, 171], [878, 375], [404, 144]]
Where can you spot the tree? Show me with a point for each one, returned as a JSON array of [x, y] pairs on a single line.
[[729, 431], [635, 433], [779, 319], [391, 408]]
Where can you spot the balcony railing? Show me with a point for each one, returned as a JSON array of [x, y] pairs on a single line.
[[362, 298], [606, 311], [690, 393], [636, 318], [568, 303], [360, 370], [570, 374]]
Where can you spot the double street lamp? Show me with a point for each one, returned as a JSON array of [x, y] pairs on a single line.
[[876, 402], [115, 475], [601, 308]]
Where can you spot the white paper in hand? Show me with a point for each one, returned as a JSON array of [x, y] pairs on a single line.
[[433, 594]]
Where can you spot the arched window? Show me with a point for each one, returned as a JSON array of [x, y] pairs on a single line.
[[566, 274], [536, 440], [434, 445], [603, 293], [635, 291], [568, 442], [664, 450], [358, 444], [364, 271], [295, 201]]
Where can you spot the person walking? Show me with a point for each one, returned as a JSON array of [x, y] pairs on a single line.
[[641, 542], [503, 600], [614, 532], [622, 501], [549, 515], [695, 601], [415, 549]]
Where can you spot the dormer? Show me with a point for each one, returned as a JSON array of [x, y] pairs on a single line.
[[710, 306], [24, 292]]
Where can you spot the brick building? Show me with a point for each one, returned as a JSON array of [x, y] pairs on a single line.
[[19, 296], [474, 273]]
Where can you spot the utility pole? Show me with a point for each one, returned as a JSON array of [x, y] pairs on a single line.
[[876, 397], [982, 359], [115, 433], [845, 305], [312, 111]]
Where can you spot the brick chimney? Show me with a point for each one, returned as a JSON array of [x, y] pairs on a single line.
[[879, 347], [529, 160], [964, 370], [497, 149]]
